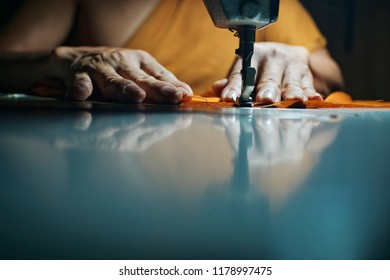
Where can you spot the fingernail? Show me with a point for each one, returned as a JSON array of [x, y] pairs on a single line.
[[222, 81], [84, 121], [185, 91], [296, 96], [315, 97], [267, 96], [78, 92], [169, 90], [232, 94], [132, 93]]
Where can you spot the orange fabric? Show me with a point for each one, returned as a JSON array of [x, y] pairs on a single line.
[[334, 100], [181, 36]]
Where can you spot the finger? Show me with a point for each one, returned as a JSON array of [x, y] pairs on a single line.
[[232, 130], [79, 86], [152, 134], [307, 85], [291, 84], [218, 86], [156, 91], [150, 66], [233, 88], [295, 135], [268, 87], [268, 129], [83, 120], [114, 86]]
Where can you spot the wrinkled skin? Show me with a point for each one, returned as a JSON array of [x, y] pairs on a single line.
[[120, 74], [283, 73]]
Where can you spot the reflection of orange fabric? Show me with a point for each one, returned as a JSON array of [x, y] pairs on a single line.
[[334, 100], [182, 37]]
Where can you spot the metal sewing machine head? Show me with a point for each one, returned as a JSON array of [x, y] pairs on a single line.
[[244, 16]]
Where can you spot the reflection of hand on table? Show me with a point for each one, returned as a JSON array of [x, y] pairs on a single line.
[[134, 134], [282, 149], [275, 138]]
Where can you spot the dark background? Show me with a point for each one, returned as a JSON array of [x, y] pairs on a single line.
[[358, 38]]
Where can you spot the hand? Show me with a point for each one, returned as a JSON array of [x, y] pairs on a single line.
[[283, 73], [274, 143], [124, 75]]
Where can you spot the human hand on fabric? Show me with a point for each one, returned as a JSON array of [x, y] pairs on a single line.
[[124, 75], [283, 73]]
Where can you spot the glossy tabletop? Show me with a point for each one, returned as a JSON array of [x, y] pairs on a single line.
[[106, 181]]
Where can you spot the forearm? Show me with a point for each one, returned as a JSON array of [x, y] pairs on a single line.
[[124, 75], [20, 71], [326, 73], [38, 25]]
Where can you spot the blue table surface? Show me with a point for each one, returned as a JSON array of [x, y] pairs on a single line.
[[107, 181]]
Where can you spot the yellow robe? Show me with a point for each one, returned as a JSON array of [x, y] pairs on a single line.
[[181, 36]]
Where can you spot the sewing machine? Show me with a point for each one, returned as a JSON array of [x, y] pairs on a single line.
[[244, 17]]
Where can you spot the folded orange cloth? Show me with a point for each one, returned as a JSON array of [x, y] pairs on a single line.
[[334, 100]]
